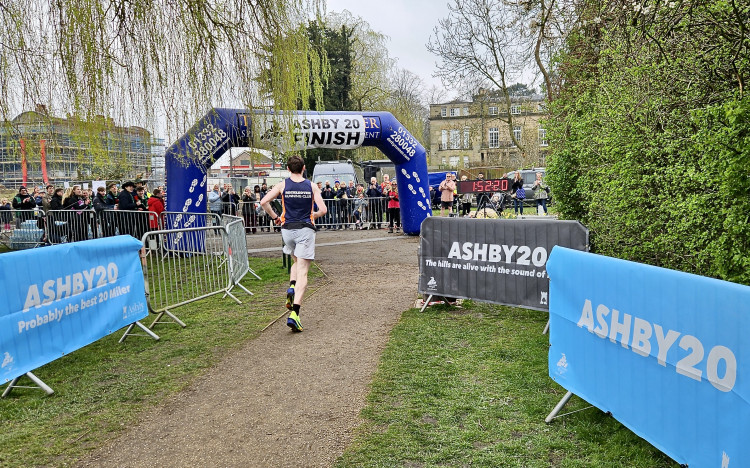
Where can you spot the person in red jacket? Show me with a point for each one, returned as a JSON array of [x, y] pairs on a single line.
[[155, 207], [394, 208]]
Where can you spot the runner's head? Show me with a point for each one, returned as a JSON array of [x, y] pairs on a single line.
[[295, 164]]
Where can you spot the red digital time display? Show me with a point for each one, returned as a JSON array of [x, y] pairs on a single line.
[[481, 186]]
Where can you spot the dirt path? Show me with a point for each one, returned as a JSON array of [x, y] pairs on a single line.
[[287, 399]]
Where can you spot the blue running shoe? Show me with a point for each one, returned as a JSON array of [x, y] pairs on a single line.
[[293, 322], [290, 297]]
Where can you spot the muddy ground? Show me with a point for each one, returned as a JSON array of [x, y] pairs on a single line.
[[287, 399]]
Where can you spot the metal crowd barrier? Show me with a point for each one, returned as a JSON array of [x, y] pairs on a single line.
[[185, 265], [353, 213], [22, 229], [237, 251], [179, 220]]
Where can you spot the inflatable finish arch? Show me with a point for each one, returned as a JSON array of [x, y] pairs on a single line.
[[188, 159]]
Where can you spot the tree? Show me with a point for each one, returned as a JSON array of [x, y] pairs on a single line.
[[650, 133], [137, 60]]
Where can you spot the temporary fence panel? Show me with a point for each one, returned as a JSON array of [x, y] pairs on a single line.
[[237, 251], [493, 260], [63, 226], [84, 292], [183, 266], [364, 213], [124, 222], [179, 220], [663, 351]]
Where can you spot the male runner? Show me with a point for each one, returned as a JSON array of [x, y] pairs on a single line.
[[299, 198]]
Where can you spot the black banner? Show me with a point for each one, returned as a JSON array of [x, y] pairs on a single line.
[[502, 261]]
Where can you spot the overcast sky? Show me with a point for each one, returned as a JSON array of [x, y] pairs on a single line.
[[408, 23]]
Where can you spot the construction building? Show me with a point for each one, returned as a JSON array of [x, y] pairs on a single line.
[[39, 148]]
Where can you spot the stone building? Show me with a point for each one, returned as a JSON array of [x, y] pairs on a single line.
[[476, 133]]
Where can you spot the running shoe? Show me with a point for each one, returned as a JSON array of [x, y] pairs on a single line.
[[290, 297], [293, 322]]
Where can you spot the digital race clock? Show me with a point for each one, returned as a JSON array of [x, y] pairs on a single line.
[[482, 186]]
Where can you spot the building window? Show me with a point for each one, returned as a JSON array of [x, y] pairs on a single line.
[[443, 112], [541, 107], [455, 111], [481, 156], [515, 109], [466, 138], [443, 160], [493, 110], [466, 161], [454, 161], [543, 137], [494, 137], [444, 139], [517, 132], [455, 139], [466, 111]]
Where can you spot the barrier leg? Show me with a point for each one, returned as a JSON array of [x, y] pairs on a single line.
[[424, 306], [558, 407], [168, 314], [39, 384], [546, 328], [142, 327]]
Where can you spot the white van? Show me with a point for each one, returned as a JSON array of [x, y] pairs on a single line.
[[343, 171]]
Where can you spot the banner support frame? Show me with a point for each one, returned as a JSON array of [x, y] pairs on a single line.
[[142, 327], [39, 384], [558, 407]]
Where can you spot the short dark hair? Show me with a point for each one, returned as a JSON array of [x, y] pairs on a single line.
[[157, 192], [49, 186], [295, 164]]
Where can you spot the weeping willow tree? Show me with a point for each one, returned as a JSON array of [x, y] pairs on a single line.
[[154, 63]]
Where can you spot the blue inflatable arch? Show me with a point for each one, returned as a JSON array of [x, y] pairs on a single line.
[[188, 159]]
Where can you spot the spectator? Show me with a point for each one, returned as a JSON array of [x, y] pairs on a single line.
[[111, 198], [446, 193], [482, 198], [101, 204], [247, 210], [77, 226], [155, 207], [6, 215], [360, 207], [141, 202], [466, 199], [262, 217], [394, 210], [100, 200], [47, 197], [214, 201], [374, 194], [229, 201], [24, 205], [342, 197], [518, 193], [38, 196], [126, 202], [58, 222], [541, 192], [328, 196]]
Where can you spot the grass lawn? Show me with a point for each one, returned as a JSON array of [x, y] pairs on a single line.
[[469, 387], [104, 387]]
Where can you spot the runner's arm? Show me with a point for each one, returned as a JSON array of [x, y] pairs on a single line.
[[265, 203], [322, 209]]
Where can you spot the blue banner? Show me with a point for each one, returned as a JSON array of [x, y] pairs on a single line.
[[663, 351], [61, 298]]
